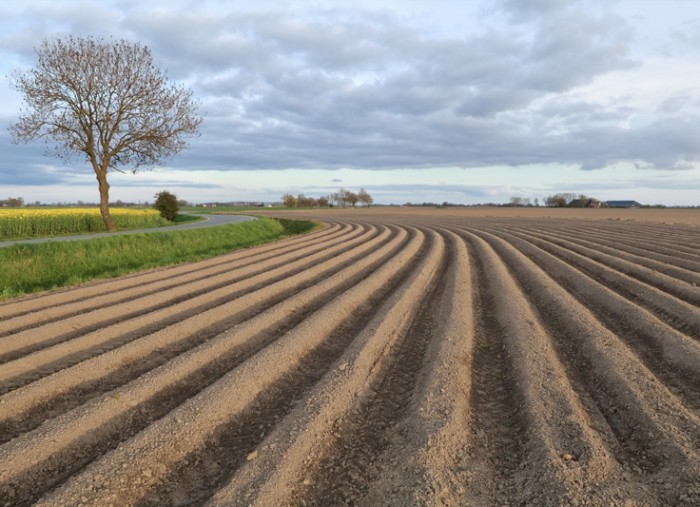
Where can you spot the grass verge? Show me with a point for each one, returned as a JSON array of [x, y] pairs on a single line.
[[36, 267], [183, 219]]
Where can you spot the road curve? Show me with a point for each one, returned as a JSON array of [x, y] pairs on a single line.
[[385, 359], [211, 221]]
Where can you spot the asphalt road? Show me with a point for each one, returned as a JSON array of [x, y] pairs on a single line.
[[211, 221]]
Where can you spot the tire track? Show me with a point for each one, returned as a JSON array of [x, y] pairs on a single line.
[[427, 463]]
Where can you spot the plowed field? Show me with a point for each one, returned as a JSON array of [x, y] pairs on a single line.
[[391, 358]]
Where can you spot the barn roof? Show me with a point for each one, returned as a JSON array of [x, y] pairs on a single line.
[[623, 204]]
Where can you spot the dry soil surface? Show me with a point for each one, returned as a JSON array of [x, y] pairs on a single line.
[[394, 357]]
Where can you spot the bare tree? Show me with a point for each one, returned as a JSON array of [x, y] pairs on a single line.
[[107, 102], [289, 201], [352, 198], [348, 197], [334, 199], [364, 197], [306, 202], [559, 200], [341, 197]]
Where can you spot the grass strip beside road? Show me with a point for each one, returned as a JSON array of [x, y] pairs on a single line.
[[27, 268]]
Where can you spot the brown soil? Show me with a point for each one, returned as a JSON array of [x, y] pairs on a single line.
[[457, 357]]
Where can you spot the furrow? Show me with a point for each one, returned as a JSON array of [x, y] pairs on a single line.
[[345, 469], [662, 241], [643, 424], [68, 388], [149, 289], [672, 301], [141, 283], [638, 267], [531, 437], [496, 436], [671, 355], [170, 440], [661, 244], [681, 270], [427, 463], [71, 347], [291, 453]]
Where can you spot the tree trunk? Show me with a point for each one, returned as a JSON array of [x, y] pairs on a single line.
[[104, 203]]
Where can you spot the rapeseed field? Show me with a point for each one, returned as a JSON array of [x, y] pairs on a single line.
[[39, 222]]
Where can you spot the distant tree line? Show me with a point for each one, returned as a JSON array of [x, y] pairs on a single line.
[[571, 200], [18, 202], [342, 198], [520, 202], [561, 200]]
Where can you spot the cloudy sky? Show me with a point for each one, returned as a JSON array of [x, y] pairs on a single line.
[[465, 101]]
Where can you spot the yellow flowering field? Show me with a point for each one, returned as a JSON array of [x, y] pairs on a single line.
[[30, 222]]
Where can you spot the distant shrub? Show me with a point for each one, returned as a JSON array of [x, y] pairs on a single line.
[[167, 204]]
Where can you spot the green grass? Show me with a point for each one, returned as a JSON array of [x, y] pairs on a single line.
[[295, 226], [183, 219], [36, 267]]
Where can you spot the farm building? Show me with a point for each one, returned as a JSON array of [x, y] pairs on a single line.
[[622, 204]]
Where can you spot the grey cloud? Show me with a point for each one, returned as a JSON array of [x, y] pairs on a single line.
[[658, 184], [524, 10], [664, 144], [140, 181], [686, 36], [24, 164], [571, 48], [495, 100], [412, 189], [676, 104], [364, 89], [581, 112], [16, 171], [29, 177]]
